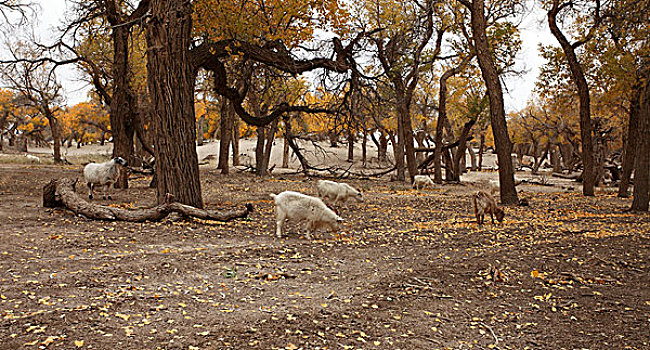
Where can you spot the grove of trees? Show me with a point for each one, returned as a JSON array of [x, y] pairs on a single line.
[[425, 76]]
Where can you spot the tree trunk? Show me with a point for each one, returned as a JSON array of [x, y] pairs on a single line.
[[398, 150], [350, 146], [364, 148], [200, 124], [56, 137], [481, 150], [260, 169], [61, 193], [268, 148], [285, 153], [472, 157], [497, 112], [578, 77], [459, 155], [120, 115], [224, 137], [235, 138], [631, 141], [642, 159], [171, 79], [409, 147]]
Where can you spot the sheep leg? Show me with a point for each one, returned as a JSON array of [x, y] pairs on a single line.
[[90, 190], [310, 229], [108, 189], [280, 216]]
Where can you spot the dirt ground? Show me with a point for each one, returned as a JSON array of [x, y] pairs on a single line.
[[410, 270]]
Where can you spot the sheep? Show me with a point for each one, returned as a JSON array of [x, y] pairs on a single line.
[[298, 206], [485, 204], [33, 159], [337, 192], [422, 181], [102, 174]]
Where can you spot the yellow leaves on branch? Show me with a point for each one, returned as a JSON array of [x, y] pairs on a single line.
[[292, 21]]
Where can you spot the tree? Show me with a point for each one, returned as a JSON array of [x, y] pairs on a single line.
[[578, 75], [173, 61], [37, 85], [401, 52], [490, 75]]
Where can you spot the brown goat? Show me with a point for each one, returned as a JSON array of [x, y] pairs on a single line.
[[485, 204]]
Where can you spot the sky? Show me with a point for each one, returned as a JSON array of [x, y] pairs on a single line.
[[518, 90]]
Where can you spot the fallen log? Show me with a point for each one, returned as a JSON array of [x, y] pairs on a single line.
[[60, 193]]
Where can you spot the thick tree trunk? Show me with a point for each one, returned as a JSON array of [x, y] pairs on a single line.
[[259, 151], [61, 193], [121, 114], [577, 73], [171, 79], [268, 148], [642, 159], [497, 112], [630, 141]]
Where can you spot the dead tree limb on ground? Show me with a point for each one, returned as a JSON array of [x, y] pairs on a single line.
[[61, 193]]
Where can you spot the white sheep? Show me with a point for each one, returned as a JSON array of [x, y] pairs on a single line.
[[102, 174], [33, 159], [337, 192], [422, 181], [298, 206]]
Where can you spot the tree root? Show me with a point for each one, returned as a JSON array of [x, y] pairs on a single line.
[[60, 193]]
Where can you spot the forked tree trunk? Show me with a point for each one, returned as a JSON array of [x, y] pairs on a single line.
[[507, 191], [171, 79]]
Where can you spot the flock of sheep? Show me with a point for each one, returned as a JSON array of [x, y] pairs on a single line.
[[298, 206]]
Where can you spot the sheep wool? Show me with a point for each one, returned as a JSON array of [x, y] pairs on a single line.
[[298, 206]]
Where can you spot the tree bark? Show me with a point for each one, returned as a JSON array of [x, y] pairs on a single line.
[[200, 124], [121, 106], [171, 79], [225, 134], [235, 138], [61, 193], [642, 160], [502, 142], [577, 73]]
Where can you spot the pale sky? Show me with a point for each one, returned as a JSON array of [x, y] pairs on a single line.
[[534, 30]]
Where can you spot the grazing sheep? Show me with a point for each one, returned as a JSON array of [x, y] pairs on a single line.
[[33, 159], [485, 204], [298, 206], [422, 181], [337, 192], [102, 174]]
